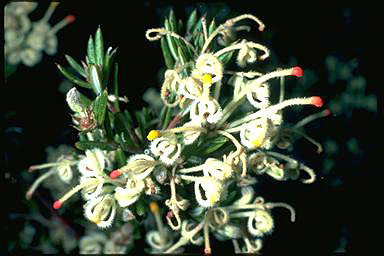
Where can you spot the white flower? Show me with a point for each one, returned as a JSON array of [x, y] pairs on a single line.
[[167, 149], [206, 111], [191, 136], [191, 88], [130, 194], [65, 172], [101, 210], [260, 223], [253, 134], [208, 64], [30, 56], [140, 165], [246, 55], [213, 190], [258, 96], [93, 190], [217, 169], [92, 244], [93, 164]]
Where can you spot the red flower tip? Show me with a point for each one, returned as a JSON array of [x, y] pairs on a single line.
[[114, 174], [328, 112], [297, 71], [57, 204], [261, 28], [70, 18], [317, 101]]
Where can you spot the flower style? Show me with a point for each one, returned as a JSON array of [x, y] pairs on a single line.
[[139, 165], [101, 210]]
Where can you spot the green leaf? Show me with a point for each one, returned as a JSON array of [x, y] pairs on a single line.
[[73, 78], [226, 57], [167, 117], [213, 144], [116, 87], [108, 125], [170, 40], [172, 21], [121, 159], [212, 27], [109, 59], [182, 57], [83, 145], [99, 47], [128, 118], [76, 66], [91, 55], [169, 62], [191, 21], [85, 100], [180, 26], [141, 123], [95, 78], [100, 107], [122, 126]]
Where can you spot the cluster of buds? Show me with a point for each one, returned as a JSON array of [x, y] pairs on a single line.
[[25, 41]]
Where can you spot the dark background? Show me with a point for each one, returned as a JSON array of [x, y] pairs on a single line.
[[33, 104]]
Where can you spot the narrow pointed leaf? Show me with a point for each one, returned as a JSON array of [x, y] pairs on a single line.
[[116, 87], [167, 117], [171, 42], [172, 21], [99, 47], [213, 144], [73, 78], [76, 66], [109, 60], [108, 125], [212, 27], [83, 145], [95, 78], [100, 107], [182, 57], [141, 123], [91, 56], [121, 159], [191, 21], [169, 62]]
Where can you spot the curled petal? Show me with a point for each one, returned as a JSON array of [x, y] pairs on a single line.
[[260, 223]]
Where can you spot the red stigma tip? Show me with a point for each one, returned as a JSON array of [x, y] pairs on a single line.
[[261, 28], [317, 101], [207, 251], [328, 112], [57, 204], [70, 18], [297, 71], [114, 174]]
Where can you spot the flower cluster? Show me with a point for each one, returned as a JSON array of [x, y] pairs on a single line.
[[25, 41], [200, 163]]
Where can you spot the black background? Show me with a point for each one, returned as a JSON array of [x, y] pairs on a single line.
[[32, 102]]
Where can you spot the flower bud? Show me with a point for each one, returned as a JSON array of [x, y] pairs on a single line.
[[73, 100]]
